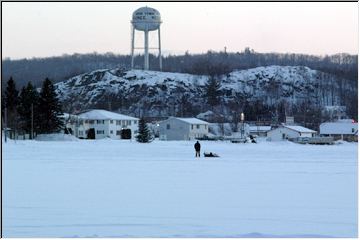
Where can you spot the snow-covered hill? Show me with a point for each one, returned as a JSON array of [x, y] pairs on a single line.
[[162, 93]]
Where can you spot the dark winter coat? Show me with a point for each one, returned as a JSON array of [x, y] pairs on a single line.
[[197, 146]]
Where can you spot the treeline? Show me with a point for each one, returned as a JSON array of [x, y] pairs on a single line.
[[29, 112], [210, 63], [342, 65]]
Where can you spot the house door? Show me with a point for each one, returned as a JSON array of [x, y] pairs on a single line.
[[126, 134], [91, 133]]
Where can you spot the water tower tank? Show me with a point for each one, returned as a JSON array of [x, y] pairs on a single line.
[[146, 19]]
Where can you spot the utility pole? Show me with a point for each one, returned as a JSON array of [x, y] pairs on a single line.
[[32, 120]]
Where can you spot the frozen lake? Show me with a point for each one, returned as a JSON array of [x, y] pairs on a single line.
[[109, 188]]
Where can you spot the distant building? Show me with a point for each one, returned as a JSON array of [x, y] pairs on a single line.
[[183, 129], [260, 131], [345, 129], [287, 132], [98, 123]]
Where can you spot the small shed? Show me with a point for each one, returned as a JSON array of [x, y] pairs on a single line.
[[287, 132], [175, 128]]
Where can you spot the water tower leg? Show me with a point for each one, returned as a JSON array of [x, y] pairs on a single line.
[[132, 46], [160, 59], [146, 55]]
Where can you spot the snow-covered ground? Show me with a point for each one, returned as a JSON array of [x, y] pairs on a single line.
[[113, 188]]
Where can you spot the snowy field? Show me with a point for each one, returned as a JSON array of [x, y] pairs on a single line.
[[113, 188]]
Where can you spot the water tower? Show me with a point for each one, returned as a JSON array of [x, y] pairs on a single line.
[[145, 19]]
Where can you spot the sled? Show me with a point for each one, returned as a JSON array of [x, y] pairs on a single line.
[[210, 154]]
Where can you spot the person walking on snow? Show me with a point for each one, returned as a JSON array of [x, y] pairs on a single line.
[[197, 147]]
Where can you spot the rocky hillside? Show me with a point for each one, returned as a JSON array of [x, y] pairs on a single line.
[[160, 94]]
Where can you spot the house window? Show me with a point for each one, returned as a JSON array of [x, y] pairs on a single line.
[[91, 121], [99, 131], [167, 126], [135, 121], [205, 126], [118, 132], [192, 126], [111, 121], [197, 126], [81, 122], [80, 132], [353, 130], [86, 121], [111, 131], [98, 121], [118, 122], [125, 123]]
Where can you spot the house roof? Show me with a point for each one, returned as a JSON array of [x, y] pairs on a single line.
[[99, 114], [300, 129], [192, 120], [340, 127], [297, 129]]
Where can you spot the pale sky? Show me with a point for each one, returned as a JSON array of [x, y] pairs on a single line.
[[52, 29]]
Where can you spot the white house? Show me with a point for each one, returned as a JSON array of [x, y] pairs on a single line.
[[286, 132], [100, 123], [344, 129], [183, 129]]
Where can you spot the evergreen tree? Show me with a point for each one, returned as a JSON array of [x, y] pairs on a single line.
[[28, 106], [49, 109], [186, 108], [21, 109], [144, 135], [212, 91], [11, 101], [11, 95], [2, 109]]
